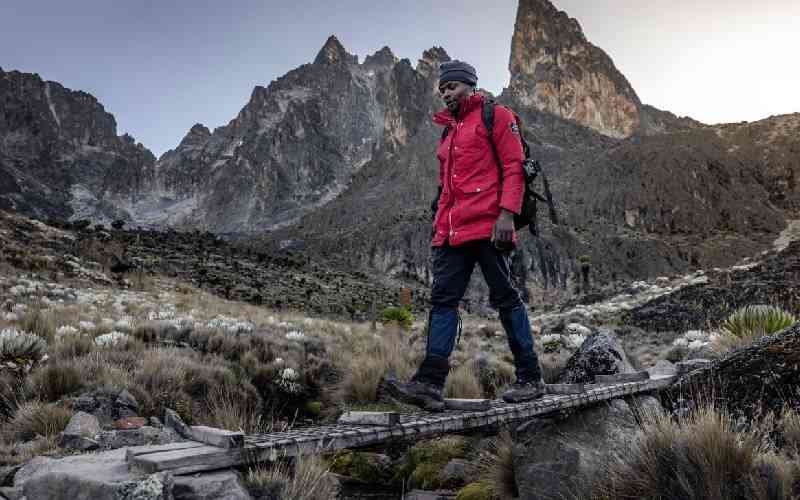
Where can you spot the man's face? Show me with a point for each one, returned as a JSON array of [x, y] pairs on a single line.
[[451, 92]]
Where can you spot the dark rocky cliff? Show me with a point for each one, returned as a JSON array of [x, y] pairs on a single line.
[[60, 155]]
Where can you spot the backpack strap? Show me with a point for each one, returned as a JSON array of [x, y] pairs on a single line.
[[487, 113], [444, 134]]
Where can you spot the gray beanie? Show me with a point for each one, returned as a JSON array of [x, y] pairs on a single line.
[[458, 71]]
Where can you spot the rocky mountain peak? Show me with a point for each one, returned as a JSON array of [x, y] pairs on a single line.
[[431, 58], [383, 57], [333, 52], [196, 136], [556, 69]]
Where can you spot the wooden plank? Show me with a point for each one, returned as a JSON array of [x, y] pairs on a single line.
[[382, 418], [565, 388], [135, 451], [467, 404], [217, 437], [622, 377]]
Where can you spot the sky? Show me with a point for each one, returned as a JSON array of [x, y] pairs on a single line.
[[161, 66]]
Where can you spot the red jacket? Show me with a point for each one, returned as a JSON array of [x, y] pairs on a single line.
[[472, 193]]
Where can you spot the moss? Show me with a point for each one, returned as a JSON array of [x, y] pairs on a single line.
[[479, 490], [342, 462], [425, 460], [366, 467], [313, 408]]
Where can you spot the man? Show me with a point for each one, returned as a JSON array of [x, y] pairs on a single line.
[[474, 222]]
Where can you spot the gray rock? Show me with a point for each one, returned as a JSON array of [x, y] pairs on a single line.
[[155, 422], [457, 472], [111, 440], [600, 354], [174, 422], [7, 493], [80, 431], [7, 474], [126, 400], [684, 367], [83, 424], [663, 368], [224, 485], [427, 495], [80, 443], [106, 405], [93, 476], [562, 457]]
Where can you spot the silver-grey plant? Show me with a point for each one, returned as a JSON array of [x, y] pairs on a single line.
[[18, 346]]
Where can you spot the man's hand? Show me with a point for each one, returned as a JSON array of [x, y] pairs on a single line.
[[503, 229]]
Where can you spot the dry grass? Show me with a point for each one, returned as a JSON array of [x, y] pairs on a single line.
[[227, 410], [35, 418], [57, 379], [701, 456], [41, 323], [496, 466], [370, 358], [306, 479], [789, 427], [11, 453], [463, 383], [553, 364]]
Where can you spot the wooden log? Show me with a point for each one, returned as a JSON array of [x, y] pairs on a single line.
[[621, 377], [217, 437], [468, 404], [565, 388], [382, 418]]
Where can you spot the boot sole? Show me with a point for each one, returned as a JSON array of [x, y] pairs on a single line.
[[429, 404]]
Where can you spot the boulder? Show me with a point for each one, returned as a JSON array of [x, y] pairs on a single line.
[[223, 485], [145, 435], [107, 405], [457, 472], [600, 354], [94, 476], [7, 474], [173, 421], [557, 457], [80, 432]]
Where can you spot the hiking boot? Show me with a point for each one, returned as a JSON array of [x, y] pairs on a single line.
[[524, 391], [426, 396]]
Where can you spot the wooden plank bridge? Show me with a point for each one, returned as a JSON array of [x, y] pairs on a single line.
[[227, 451]]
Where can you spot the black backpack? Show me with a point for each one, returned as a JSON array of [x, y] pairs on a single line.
[[530, 167]]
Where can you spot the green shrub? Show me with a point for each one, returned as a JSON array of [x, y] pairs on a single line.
[[400, 315], [756, 321], [750, 323]]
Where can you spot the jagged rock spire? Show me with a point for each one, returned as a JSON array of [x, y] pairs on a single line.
[[554, 68], [333, 52]]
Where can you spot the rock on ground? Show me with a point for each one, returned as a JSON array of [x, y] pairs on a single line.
[[600, 354], [560, 457]]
